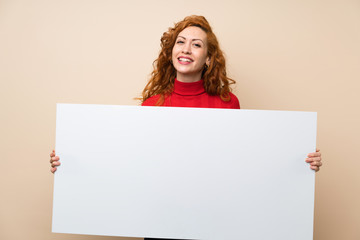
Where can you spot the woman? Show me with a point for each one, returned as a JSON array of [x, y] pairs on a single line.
[[190, 72]]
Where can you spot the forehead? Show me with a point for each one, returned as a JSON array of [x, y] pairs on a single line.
[[193, 32]]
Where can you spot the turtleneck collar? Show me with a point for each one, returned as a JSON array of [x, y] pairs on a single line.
[[189, 88]]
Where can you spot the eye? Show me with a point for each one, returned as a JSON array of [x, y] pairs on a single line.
[[197, 45], [179, 41]]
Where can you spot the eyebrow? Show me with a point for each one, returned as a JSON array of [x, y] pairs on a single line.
[[195, 39]]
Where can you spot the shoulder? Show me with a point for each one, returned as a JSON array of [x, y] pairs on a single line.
[[151, 101], [234, 101]]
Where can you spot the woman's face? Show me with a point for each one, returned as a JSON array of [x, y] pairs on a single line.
[[189, 54]]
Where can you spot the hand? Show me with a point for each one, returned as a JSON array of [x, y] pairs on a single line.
[[54, 160], [315, 160]]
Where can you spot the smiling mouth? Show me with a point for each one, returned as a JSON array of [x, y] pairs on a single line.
[[186, 60]]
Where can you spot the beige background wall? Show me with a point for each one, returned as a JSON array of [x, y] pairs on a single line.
[[286, 55]]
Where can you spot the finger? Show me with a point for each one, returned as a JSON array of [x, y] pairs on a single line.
[[316, 163], [309, 160], [316, 168], [55, 164], [53, 159], [317, 150], [314, 154], [53, 169], [52, 154]]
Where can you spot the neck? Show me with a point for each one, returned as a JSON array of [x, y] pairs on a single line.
[[188, 78]]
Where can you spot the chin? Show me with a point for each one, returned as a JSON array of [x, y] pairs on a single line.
[[183, 70]]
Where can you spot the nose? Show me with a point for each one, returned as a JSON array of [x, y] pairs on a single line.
[[186, 48]]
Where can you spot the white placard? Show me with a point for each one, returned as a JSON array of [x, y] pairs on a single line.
[[185, 173]]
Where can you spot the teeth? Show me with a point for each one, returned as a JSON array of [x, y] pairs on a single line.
[[184, 60]]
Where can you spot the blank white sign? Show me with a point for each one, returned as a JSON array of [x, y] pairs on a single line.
[[184, 173]]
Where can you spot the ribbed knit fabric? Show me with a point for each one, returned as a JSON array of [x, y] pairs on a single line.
[[193, 95]]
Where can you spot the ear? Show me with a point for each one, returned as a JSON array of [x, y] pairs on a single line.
[[208, 61]]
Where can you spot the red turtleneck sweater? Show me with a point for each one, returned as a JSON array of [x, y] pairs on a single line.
[[193, 95]]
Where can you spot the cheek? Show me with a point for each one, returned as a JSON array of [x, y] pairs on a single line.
[[203, 57], [174, 52]]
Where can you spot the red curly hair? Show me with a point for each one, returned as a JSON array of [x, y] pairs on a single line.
[[162, 77]]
